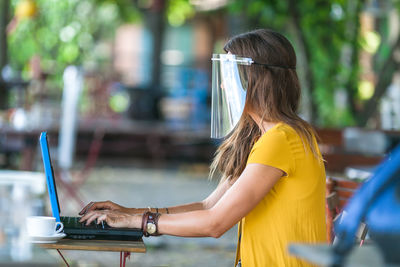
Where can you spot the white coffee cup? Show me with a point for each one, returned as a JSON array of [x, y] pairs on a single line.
[[43, 226]]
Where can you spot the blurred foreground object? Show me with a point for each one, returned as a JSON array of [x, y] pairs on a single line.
[[19, 197], [377, 203]]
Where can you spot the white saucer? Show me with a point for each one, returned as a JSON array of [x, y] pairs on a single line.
[[46, 239]]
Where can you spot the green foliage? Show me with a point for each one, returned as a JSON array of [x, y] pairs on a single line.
[[178, 11], [67, 32], [325, 33], [324, 27]]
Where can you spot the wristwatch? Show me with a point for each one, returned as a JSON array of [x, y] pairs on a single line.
[[150, 223], [151, 228]]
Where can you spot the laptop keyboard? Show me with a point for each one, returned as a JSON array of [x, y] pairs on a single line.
[[80, 231], [73, 222]]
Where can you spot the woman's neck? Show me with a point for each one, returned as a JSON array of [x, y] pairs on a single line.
[[262, 124]]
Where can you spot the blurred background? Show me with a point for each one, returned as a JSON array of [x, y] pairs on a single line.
[[123, 89]]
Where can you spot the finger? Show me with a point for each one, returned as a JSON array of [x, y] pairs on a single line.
[[92, 206], [101, 205], [93, 217], [87, 216], [83, 211], [84, 217], [102, 218]]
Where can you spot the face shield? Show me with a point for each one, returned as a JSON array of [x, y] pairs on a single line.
[[229, 85]]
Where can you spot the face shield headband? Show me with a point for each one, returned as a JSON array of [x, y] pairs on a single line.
[[229, 86]]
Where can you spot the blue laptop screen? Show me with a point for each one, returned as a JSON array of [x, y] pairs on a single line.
[[48, 169]]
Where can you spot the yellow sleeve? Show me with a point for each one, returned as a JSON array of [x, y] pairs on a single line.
[[273, 149]]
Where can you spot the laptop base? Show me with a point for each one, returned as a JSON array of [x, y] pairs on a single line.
[[76, 230]]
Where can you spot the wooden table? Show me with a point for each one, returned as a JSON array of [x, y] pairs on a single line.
[[124, 247]]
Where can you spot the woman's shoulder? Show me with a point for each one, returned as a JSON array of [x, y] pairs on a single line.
[[274, 148], [280, 132], [278, 137], [286, 129], [281, 137]]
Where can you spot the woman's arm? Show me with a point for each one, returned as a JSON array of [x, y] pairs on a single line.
[[254, 183], [207, 203], [238, 200]]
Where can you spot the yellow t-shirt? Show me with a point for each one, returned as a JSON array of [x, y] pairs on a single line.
[[293, 210]]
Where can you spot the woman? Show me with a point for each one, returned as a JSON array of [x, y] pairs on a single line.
[[273, 177]]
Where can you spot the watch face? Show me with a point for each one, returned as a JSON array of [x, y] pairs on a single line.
[[151, 228]]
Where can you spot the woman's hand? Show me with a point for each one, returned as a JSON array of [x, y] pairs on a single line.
[[113, 218], [104, 205]]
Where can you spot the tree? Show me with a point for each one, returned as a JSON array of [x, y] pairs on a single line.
[[328, 41], [318, 35], [66, 32], [386, 64]]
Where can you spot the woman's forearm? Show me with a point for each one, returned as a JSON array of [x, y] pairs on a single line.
[[171, 210], [207, 203], [198, 223]]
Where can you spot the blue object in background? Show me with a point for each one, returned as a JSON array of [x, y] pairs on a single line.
[[383, 220], [198, 92], [377, 202], [192, 84]]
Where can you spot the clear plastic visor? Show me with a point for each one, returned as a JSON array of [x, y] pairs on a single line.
[[229, 85]]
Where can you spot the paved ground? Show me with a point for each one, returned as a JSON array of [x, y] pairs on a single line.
[[136, 185]]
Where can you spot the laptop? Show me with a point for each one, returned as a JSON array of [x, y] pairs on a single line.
[[72, 227]]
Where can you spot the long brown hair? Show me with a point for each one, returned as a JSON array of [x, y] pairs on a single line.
[[273, 93]]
